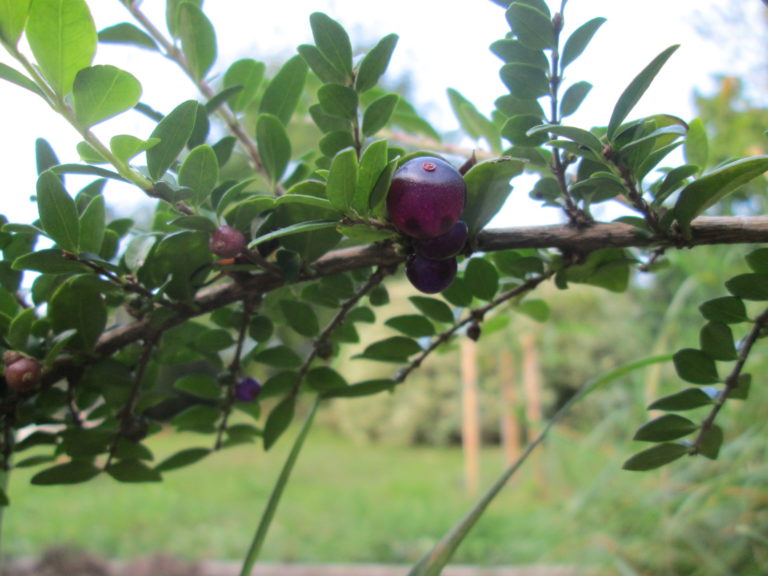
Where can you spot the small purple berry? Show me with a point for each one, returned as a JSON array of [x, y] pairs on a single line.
[[430, 276], [426, 197], [446, 246], [247, 389], [23, 373], [227, 242]]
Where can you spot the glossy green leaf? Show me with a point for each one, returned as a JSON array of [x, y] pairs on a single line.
[[379, 113], [716, 340], [367, 388], [279, 356], [696, 144], [665, 428], [13, 16], [673, 180], [278, 420], [488, 186], [62, 36], [511, 106], [512, 51], [335, 142], [413, 325], [125, 146], [100, 92], [579, 40], [182, 458], [285, 90], [49, 261], [301, 227], [198, 39], [72, 472], [702, 193], [15, 77], [325, 379], [200, 385], [78, 305], [301, 317], [93, 225], [632, 94], [525, 82], [274, 145], [200, 172], [320, 65], [687, 399], [516, 129], [372, 163], [393, 349], [45, 156], [458, 293], [180, 277], [247, 73], [133, 471], [573, 98], [580, 136], [434, 308], [338, 101], [20, 328], [726, 309], [173, 132], [608, 268], [342, 180], [695, 366], [751, 286], [655, 457], [482, 278], [58, 213], [126, 33], [333, 41], [314, 201], [533, 28], [172, 14], [375, 63]]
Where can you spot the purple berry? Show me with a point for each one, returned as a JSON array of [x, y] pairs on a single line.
[[445, 246], [430, 276], [227, 242], [247, 389], [23, 374], [426, 197]]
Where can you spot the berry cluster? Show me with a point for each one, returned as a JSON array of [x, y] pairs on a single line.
[[425, 201]]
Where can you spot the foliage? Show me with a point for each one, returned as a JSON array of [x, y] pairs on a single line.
[[127, 322]]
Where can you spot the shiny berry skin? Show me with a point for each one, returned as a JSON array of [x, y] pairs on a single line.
[[426, 197], [430, 276], [247, 389], [23, 374], [226, 242], [445, 246]]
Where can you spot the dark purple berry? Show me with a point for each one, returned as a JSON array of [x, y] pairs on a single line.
[[227, 242], [426, 197], [445, 246], [473, 331], [430, 276], [247, 389], [23, 374]]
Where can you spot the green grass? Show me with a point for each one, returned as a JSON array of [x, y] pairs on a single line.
[[349, 503]]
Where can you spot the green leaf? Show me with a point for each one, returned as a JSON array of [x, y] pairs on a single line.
[[375, 63], [293, 198], [524, 82], [393, 349], [93, 225], [741, 391], [182, 458], [696, 148], [472, 121], [372, 164], [62, 36], [711, 441], [285, 90], [716, 340], [125, 33], [200, 385], [578, 135], [100, 92], [133, 471], [516, 129], [20, 328], [655, 457], [695, 366], [672, 181], [482, 278], [200, 172], [45, 156], [198, 39], [333, 41], [342, 180], [532, 27], [172, 14], [434, 308], [274, 145], [325, 379], [714, 186], [513, 51], [247, 73], [278, 420], [78, 305], [635, 91], [58, 212], [301, 317], [378, 113], [301, 227], [752, 286], [687, 399], [335, 142], [758, 260], [536, 309], [488, 186], [173, 131], [72, 472], [665, 428], [367, 388], [578, 41], [320, 65], [15, 77], [49, 261], [608, 268], [279, 356], [198, 418], [573, 98], [338, 101], [125, 146], [413, 325], [726, 309], [13, 16]]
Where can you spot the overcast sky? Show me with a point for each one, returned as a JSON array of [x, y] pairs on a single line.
[[443, 43]]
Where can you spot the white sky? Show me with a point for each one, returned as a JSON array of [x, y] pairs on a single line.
[[443, 43]]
